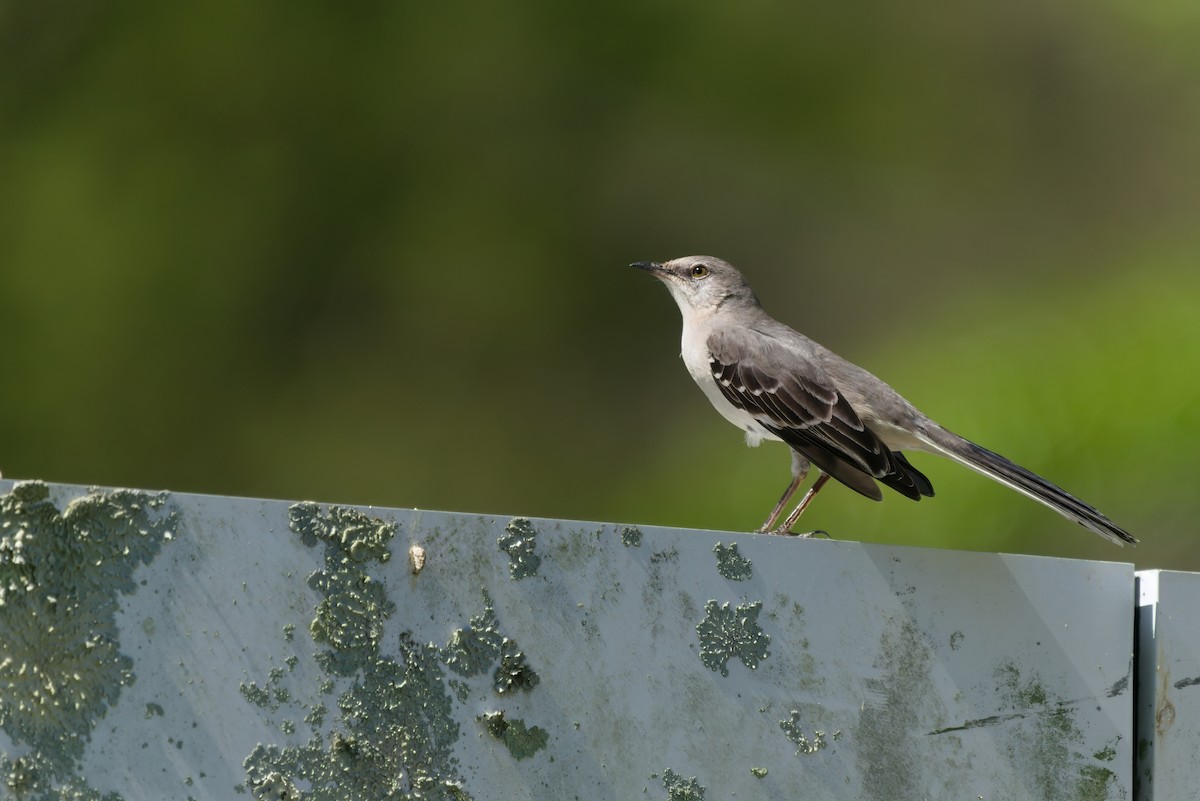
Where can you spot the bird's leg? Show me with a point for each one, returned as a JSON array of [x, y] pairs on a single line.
[[787, 496], [799, 473], [786, 528]]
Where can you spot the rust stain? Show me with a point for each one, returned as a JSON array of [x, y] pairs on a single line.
[[1164, 710]]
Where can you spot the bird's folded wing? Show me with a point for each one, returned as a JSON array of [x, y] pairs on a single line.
[[792, 396]]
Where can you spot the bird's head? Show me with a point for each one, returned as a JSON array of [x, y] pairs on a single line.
[[701, 284]]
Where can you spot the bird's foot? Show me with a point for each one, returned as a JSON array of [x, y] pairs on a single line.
[[804, 535]]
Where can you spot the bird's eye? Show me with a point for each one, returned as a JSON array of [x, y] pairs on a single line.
[[699, 270]]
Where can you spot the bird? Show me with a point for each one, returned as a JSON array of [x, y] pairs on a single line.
[[774, 383]]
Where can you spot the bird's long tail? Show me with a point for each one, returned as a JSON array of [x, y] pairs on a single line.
[[1028, 483]]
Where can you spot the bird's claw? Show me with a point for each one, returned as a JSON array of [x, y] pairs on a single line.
[[804, 535]]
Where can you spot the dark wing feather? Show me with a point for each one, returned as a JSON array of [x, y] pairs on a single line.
[[801, 406]]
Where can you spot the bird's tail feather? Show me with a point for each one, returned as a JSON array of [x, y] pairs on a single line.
[[1028, 483]]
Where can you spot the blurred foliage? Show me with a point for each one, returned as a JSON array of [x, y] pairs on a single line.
[[374, 252]]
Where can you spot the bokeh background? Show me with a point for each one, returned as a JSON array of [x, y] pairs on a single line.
[[375, 252]]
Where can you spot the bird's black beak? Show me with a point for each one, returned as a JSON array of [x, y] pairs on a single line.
[[649, 266]]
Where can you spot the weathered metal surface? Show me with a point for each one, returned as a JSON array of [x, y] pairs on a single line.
[[185, 646], [1168, 684]]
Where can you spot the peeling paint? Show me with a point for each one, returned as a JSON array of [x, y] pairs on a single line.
[[316, 716], [394, 738], [631, 537], [474, 648], [259, 696], [519, 541], [514, 672], [61, 664], [395, 731], [353, 606], [681, 789], [731, 564], [25, 780], [726, 633], [350, 616], [274, 786], [520, 741], [804, 745], [357, 535]]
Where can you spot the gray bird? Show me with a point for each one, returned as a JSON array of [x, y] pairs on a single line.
[[775, 383]]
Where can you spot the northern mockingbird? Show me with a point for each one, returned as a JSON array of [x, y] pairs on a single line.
[[775, 383]]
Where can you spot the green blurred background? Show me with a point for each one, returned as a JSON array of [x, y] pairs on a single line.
[[374, 252]]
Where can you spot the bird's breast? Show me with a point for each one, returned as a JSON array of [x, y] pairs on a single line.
[[697, 359]]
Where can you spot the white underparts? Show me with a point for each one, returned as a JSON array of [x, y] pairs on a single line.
[[754, 438]]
